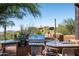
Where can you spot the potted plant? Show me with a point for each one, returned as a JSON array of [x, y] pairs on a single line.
[[22, 40]]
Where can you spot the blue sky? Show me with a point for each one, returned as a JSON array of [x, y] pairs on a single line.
[[49, 12]]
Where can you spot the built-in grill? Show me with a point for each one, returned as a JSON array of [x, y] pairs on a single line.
[[36, 39], [37, 43]]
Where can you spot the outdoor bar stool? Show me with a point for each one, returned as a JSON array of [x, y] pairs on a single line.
[[1, 52]]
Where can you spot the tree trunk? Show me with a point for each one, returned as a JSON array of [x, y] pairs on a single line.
[[4, 38], [4, 32]]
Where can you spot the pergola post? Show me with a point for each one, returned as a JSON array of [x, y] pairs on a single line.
[[77, 21]]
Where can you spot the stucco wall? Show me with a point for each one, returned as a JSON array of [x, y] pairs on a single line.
[[69, 37]]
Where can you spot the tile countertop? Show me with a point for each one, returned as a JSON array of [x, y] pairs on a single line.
[[61, 44], [8, 41]]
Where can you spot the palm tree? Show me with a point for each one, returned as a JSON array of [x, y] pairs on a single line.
[[18, 10], [62, 29], [69, 24], [4, 24]]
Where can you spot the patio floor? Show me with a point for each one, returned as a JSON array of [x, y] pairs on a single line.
[[11, 50]]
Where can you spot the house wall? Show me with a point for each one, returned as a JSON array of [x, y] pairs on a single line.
[[69, 37]]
